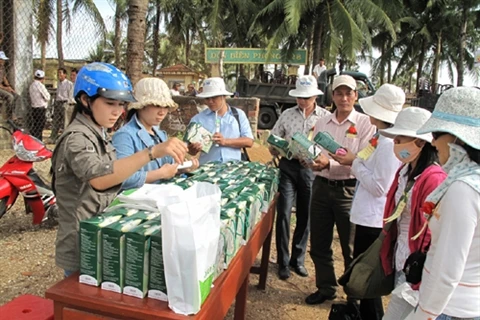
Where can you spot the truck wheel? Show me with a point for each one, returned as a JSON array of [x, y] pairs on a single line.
[[266, 118]]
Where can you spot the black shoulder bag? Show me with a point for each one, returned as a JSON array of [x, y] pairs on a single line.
[[245, 156], [413, 267]]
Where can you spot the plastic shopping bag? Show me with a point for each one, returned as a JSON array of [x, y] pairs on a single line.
[[190, 234]]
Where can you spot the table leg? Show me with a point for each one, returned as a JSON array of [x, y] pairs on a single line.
[[241, 300], [262, 282]]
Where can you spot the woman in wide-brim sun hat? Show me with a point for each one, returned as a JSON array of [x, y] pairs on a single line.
[[142, 130], [451, 276], [417, 178], [374, 173]]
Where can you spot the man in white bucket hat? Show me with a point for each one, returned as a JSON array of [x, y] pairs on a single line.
[[374, 168], [40, 97], [295, 179], [230, 126], [450, 287], [333, 187]]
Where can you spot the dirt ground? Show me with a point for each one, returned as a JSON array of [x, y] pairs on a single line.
[[28, 266]]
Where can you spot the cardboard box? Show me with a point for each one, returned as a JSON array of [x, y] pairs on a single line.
[[137, 258], [90, 247], [113, 253], [157, 285]]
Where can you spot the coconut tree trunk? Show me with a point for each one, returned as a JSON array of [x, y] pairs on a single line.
[[436, 61], [421, 59], [462, 44], [137, 12], [59, 33], [43, 55], [382, 65], [187, 47], [156, 42], [117, 38]]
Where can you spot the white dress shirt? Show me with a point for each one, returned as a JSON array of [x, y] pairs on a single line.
[[64, 91], [375, 176], [338, 131], [39, 95], [319, 69]]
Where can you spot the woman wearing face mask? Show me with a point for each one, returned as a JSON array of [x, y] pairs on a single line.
[[450, 286], [144, 116], [414, 181], [86, 173]]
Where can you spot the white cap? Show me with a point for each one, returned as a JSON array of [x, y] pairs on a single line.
[[213, 87], [305, 87], [408, 122], [344, 80], [152, 91], [39, 74], [385, 104], [3, 56]]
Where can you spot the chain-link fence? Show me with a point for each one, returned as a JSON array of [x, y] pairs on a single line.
[[30, 40]]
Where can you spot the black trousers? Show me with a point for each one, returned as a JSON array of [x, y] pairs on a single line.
[[58, 118], [37, 122], [294, 180], [330, 207], [364, 237]]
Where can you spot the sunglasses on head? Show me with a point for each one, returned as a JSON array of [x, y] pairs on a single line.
[[437, 135]]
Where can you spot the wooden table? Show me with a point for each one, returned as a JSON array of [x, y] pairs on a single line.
[[76, 301]]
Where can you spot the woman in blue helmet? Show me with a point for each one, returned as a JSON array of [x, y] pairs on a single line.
[[86, 173]]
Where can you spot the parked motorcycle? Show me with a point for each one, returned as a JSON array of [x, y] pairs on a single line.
[[17, 175]]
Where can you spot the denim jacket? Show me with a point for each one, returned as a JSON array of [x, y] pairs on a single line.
[[131, 138]]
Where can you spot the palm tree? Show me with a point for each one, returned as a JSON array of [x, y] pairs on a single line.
[[338, 27], [64, 16], [137, 13], [120, 16], [44, 27]]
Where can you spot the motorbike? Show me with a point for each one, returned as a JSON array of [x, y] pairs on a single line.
[[17, 176]]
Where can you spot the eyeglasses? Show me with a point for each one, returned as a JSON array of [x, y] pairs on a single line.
[[437, 135]]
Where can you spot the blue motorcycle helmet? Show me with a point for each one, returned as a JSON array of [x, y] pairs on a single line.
[[105, 80]]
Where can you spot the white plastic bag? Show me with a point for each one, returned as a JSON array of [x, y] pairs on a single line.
[[190, 235]]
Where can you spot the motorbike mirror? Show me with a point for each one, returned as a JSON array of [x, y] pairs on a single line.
[[13, 125]]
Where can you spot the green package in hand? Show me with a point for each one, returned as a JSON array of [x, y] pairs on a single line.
[[327, 142]]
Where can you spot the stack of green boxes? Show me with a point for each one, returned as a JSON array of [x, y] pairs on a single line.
[[121, 250]]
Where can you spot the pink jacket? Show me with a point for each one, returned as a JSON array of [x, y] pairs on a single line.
[[424, 185]]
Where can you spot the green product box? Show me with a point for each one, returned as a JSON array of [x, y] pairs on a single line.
[[157, 285], [137, 257], [227, 234], [113, 253], [90, 247]]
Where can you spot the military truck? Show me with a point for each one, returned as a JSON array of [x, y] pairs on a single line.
[[274, 98]]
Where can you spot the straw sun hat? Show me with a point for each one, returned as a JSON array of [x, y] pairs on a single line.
[[152, 91], [457, 112]]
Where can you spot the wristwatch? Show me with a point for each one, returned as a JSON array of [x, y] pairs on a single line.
[[150, 153]]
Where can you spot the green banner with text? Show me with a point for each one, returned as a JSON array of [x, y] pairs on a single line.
[[253, 56]]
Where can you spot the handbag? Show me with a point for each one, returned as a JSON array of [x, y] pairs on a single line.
[[365, 277], [413, 267]]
